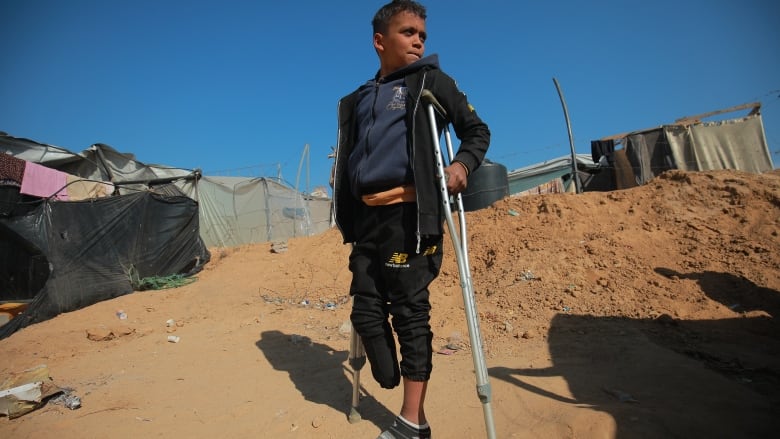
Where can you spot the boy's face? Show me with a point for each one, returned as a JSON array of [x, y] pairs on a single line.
[[402, 44]]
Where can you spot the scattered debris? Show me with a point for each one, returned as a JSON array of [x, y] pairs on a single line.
[[106, 334], [68, 400], [620, 395], [298, 339], [10, 310], [322, 304], [317, 421], [454, 342], [529, 334], [526, 276], [24, 392], [278, 247]]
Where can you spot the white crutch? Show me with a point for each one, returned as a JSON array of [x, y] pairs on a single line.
[[459, 243], [357, 359]]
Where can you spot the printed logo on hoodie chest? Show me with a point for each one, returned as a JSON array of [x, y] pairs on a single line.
[[399, 98]]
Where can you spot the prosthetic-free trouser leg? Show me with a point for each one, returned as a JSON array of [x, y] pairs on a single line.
[[390, 280]]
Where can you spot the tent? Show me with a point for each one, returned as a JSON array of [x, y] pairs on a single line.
[[232, 211], [551, 176], [634, 158], [689, 144], [244, 210], [59, 256]]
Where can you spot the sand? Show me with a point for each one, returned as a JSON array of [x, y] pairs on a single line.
[[647, 312]]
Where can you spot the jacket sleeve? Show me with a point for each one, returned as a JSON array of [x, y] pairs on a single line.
[[473, 133], [344, 204]]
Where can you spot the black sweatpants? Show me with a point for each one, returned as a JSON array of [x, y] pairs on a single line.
[[390, 279]]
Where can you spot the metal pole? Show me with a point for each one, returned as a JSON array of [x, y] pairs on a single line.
[[574, 175], [357, 359], [484, 391]]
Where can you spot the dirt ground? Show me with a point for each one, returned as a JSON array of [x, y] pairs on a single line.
[[641, 313]]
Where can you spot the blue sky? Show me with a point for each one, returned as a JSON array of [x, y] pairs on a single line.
[[239, 87]]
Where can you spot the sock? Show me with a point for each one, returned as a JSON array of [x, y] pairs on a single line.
[[412, 424], [403, 429]]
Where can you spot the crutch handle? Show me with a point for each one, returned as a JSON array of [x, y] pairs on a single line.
[[428, 96]]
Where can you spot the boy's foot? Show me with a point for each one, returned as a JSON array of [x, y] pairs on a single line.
[[402, 430]]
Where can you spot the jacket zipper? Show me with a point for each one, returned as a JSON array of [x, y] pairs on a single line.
[[412, 158], [377, 83]]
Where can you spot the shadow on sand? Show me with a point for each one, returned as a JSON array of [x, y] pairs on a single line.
[[736, 292], [321, 374], [669, 377]]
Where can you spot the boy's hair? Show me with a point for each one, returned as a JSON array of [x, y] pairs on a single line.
[[381, 21]]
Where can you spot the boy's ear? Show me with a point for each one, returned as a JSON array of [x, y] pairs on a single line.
[[378, 44]]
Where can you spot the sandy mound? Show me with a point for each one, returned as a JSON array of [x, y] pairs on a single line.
[[646, 312]]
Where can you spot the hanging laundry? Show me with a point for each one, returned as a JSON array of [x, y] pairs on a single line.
[[80, 189], [40, 181]]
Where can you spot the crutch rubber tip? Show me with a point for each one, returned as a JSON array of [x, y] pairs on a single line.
[[354, 416]]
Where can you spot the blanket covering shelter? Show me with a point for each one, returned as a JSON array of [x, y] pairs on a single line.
[[58, 256], [62, 256]]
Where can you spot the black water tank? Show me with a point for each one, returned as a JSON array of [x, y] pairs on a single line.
[[488, 184]]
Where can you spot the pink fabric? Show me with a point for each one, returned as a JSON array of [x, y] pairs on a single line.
[[40, 181]]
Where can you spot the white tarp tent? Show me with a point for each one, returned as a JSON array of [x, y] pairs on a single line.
[[242, 210]]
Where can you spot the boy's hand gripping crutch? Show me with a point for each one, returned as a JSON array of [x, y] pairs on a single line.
[[459, 243]]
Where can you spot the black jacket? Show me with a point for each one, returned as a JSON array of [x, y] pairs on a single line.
[[469, 128]]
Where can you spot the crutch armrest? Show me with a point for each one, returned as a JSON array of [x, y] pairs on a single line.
[[431, 99]]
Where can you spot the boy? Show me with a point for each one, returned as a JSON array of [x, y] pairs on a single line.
[[387, 203]]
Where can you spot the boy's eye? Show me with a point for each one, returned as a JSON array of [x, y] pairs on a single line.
[[411, 32]]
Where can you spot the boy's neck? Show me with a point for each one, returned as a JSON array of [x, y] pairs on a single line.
[[383, 74]]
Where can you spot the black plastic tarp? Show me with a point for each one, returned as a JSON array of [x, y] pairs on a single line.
[[63, 256]]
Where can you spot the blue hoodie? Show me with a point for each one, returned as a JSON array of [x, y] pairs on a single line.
[[380, 159]]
